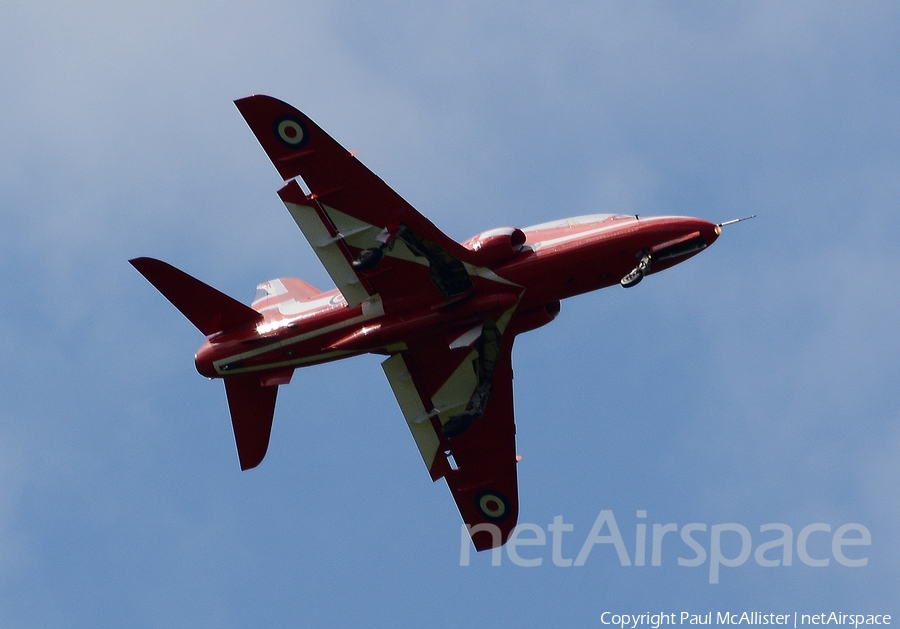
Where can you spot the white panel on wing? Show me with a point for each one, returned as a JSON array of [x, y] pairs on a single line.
[[412, 407], [328, 252]]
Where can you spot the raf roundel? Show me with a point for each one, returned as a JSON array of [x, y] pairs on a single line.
[[291, 132], [492, 505]]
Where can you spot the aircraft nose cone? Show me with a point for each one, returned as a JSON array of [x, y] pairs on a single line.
[[710, 232]]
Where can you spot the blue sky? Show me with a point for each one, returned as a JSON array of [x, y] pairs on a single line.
[[754, 384]]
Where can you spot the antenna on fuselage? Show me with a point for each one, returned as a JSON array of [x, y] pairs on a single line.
[[735, 220], [719, 226]]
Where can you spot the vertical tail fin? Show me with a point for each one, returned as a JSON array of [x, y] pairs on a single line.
[[208, 309]]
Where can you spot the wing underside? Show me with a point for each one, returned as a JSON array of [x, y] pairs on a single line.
[[454, 386], [407, 262], [350, 210], [435, 384]]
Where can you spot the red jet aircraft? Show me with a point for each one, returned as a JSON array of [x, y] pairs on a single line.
[[445, 314]]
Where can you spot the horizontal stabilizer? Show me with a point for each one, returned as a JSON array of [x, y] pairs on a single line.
[[208, 309], [252, 407]]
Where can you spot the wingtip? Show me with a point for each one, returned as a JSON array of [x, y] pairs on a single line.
[[246, 102], [244, 99], [143, 264]]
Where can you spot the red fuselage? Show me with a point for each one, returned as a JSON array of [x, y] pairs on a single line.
[[445, 314], [556, 260]]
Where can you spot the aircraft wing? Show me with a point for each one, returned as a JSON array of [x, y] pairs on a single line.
[[432, 382], [372, 242], [349, 209]]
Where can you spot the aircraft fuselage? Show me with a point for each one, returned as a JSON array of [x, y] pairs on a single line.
[[444, 314], [556, 261]]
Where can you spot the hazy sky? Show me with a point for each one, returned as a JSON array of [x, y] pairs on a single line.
[[752, 385]]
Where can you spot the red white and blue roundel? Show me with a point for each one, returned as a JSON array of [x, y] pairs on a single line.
[[492, 505], [291, 132]]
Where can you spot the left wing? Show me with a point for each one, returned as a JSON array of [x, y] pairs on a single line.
[[369, 239], [434, 383], [454, 386]]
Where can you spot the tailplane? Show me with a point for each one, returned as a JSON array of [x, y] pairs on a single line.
[[251, 400], [252, 407], [208, 309]]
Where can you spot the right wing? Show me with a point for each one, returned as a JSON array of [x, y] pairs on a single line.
[[372, 242], [350, 210], [408, 265]]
